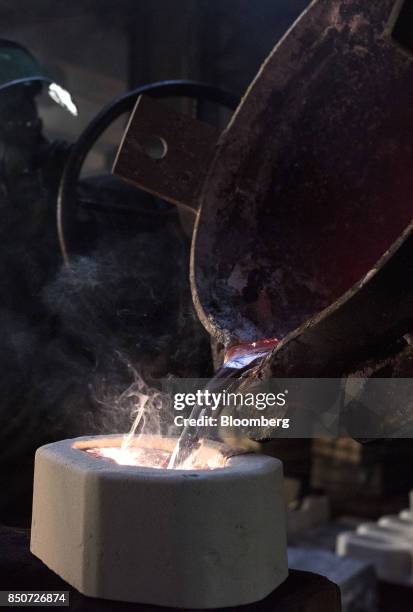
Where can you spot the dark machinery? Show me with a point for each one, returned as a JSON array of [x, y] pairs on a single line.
[[67, 197]]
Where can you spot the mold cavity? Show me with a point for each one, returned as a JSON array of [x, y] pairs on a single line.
[[154, 147], [403, 29], [152, 457]]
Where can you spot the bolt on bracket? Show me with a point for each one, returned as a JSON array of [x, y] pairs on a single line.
[[166, 153]]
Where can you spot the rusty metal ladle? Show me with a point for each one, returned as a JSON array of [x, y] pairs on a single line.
[[304, 224]]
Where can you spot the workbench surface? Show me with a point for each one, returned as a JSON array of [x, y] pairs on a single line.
[[20, 570]]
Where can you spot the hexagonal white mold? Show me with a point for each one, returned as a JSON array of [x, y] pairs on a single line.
[[181, 538]]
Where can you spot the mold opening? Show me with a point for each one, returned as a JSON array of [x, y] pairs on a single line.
[[152, 453]]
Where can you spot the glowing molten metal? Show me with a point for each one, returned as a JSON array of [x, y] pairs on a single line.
[[156, 458]]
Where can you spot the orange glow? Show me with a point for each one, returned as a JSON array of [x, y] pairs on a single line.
[[241, 355], [154, 458]]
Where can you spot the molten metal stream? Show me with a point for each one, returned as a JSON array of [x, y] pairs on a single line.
[[238, 360]]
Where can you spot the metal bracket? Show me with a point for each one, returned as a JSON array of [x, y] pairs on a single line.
[[166, 153]]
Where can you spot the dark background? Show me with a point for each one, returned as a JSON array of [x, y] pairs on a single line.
[[99, 49]]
